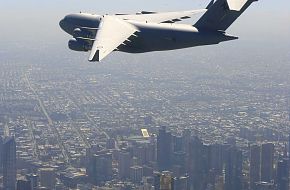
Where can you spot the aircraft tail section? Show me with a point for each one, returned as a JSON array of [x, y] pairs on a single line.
[[222, 13]]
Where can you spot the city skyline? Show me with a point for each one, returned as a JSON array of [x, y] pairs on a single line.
[[225, 109]]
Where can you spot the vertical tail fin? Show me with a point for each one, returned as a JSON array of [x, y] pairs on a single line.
[[222, 13]]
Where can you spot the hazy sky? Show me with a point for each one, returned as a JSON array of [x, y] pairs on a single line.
[[35, 22], [34, 15]]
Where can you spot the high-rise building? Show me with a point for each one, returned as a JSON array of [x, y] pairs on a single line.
[[267, 162], [288, 105], [219, 183], [139, 151], [233, 169], [151, 153], [282, 180], [198, 163], [47, 177], [23, 184], [33, 178], [178, 143], [101, 168], [265, 186], [164, 149], [124, 163], [181, 183], [255, 165], [289, 141], [136, 174], [166, 181], [216, 158], [157, 181], [178, 159], [9, 164], [1, 155]]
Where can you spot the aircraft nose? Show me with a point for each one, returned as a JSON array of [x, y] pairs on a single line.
[[62, 24]]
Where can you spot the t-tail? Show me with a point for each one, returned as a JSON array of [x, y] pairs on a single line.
[[221, 14]]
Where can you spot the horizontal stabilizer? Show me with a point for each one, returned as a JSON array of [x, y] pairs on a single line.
[[236, 5]]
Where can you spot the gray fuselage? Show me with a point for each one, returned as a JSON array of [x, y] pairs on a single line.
[[150, 36]]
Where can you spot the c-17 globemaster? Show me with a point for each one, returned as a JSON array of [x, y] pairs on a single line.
[[151, 31]]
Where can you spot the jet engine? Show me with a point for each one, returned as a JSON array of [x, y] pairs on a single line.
[[82, 33], [79, 45]]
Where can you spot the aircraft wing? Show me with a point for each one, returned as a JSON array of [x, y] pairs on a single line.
[[111, 33], [166, 17]]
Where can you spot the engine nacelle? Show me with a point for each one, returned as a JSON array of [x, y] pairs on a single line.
[[82, 33], [79, 45]]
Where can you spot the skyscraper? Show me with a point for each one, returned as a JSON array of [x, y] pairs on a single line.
[[267, 161], [163, 181], [198, 163], [282, 180], [33, 178], [164, 149], [265, 186], [255, 165], [101, 164], [233, 169], [136, 174], [23, 184], [9, 164], [124, 163], [47, 177], [1, 155], [181, 183], [289, 142], [216, 158]]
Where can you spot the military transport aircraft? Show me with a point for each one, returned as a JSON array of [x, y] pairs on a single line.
[[151, 31]]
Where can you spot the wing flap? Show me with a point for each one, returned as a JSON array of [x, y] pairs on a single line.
[[112, 32]]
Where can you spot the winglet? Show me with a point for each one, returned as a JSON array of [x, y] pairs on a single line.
[[236, 5]]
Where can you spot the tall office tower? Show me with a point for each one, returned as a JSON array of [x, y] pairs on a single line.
[[23, 184], [150, 153], [47, 177], [164, 149], [139, 151], [33, 178], [124, 163], [177, 143], [178, 161], [216, 158], [233, 169], [289, 146], [136, 174], [255, 165], [198, 164], [288, 106], [111, 143], [219, 183], [181, 183], [267, 161], [282, 180], [186, 134], [101, 164], [163, 181], [1, 155], [9, 164], [157, 181], [265, 186]]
